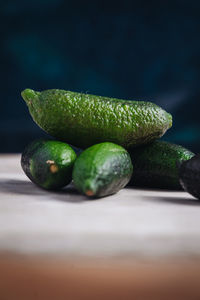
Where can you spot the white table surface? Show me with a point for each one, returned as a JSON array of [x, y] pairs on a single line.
[[131, 223]]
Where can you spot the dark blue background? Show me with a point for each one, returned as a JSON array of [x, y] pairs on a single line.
[[132, 50]]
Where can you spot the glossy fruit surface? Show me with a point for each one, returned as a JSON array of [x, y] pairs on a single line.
[[189, 174], [48, 163], [102, 169], [156, 165]]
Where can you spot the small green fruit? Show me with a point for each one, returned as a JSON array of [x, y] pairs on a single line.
[[48, 163]]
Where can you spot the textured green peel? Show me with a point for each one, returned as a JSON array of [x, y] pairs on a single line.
[[83, 120]]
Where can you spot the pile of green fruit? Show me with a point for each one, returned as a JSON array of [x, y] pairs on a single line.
[[119, 139]]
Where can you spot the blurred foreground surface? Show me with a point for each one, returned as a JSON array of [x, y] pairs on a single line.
[[59, 245]]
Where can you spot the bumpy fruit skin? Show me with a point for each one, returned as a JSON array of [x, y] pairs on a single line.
[[156, 165], [189, 175], [48, 163], [84, 120], [102, 169]]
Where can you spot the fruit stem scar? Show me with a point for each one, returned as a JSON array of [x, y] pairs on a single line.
[[53, 168], [89, 193]]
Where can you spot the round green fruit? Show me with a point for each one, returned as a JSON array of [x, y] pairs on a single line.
[[48, 163]]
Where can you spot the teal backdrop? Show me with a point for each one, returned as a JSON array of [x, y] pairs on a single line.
[[147, 50]]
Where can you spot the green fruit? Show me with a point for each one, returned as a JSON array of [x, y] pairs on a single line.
[[189, 174], [102, 169], [84, 120], [48, 163], [157, 165]]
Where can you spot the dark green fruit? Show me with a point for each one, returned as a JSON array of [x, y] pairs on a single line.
[[189, 175], [102, 169], [156, 165], [48, 163], [84, 120]]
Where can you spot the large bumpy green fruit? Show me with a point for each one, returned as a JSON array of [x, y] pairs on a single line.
[[84, 120], [156, 165], [48, 163], [102, 169]]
